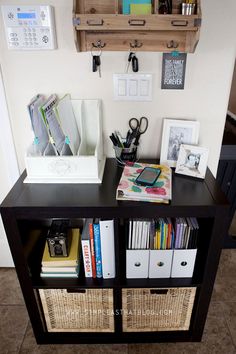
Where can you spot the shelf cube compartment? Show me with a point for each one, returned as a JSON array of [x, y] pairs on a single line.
[[84, 310], [159, 309]]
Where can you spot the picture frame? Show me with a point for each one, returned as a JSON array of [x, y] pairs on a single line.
[[192, 161], [176, 132], [173, 71]]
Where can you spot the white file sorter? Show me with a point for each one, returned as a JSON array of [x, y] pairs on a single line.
[[87, 166], [183, 263], [160, 262], [137, 262]]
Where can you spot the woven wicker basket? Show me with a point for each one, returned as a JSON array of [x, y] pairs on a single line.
[[148, 310], [88, 311]]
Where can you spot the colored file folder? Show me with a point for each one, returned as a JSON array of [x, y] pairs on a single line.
[[126, 5], [140, 9]]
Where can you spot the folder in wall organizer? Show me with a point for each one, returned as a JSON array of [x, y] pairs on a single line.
[[88, 165], [160, 262], [137, 262], [126, 5], [183, 263]]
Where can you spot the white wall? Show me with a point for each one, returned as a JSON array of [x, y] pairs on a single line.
[[9, 169], [207, 85], [5, 256]]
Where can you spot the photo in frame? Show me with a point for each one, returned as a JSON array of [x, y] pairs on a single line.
[[173, 71], [192, 161], [176, 132]]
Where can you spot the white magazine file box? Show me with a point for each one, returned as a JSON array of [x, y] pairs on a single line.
[[183, 263], [87, 166], [137, 262], [160, 262]]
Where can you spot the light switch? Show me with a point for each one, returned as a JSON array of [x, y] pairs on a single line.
[[122, 87], [144, 87], [132, 87]]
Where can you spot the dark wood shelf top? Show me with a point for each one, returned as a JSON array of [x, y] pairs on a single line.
[[81, 283], [99, 200]]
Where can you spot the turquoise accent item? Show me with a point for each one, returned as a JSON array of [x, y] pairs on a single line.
[[175, 53], [36, 140], [67, 140]]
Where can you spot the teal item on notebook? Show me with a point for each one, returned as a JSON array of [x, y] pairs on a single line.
[[126, 5]]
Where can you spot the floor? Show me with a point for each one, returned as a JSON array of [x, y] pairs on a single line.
[[16, 334]]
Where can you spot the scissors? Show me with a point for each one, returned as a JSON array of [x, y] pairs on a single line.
[[138, 127]]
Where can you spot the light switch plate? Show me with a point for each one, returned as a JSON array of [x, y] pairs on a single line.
[[132, 87]]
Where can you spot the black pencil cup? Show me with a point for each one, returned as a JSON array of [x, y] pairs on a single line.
[[124, 155]]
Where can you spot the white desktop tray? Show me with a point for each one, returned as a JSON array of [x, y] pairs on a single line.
[[87, 166]]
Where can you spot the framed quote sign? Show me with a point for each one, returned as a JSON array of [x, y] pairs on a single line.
[[173, 71]]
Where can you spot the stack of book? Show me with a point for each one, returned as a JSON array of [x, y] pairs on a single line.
[[159, 192], [98, 248], [67, 267]]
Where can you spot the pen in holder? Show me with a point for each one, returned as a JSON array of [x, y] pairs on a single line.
[[126, 148], [124, 155], [188, 8]]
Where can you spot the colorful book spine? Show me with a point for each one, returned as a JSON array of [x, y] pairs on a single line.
[[85, 244], [92, 248], [158, 236], [87, 258], [97, 244], [169, 227]]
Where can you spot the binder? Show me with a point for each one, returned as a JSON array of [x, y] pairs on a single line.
[[160, 263], [137, 262], [183, 263], [107, 248]]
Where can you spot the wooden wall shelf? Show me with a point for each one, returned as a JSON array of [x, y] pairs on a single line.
[[102, 23]]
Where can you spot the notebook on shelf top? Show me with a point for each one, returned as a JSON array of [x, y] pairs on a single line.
[[160, 192]]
